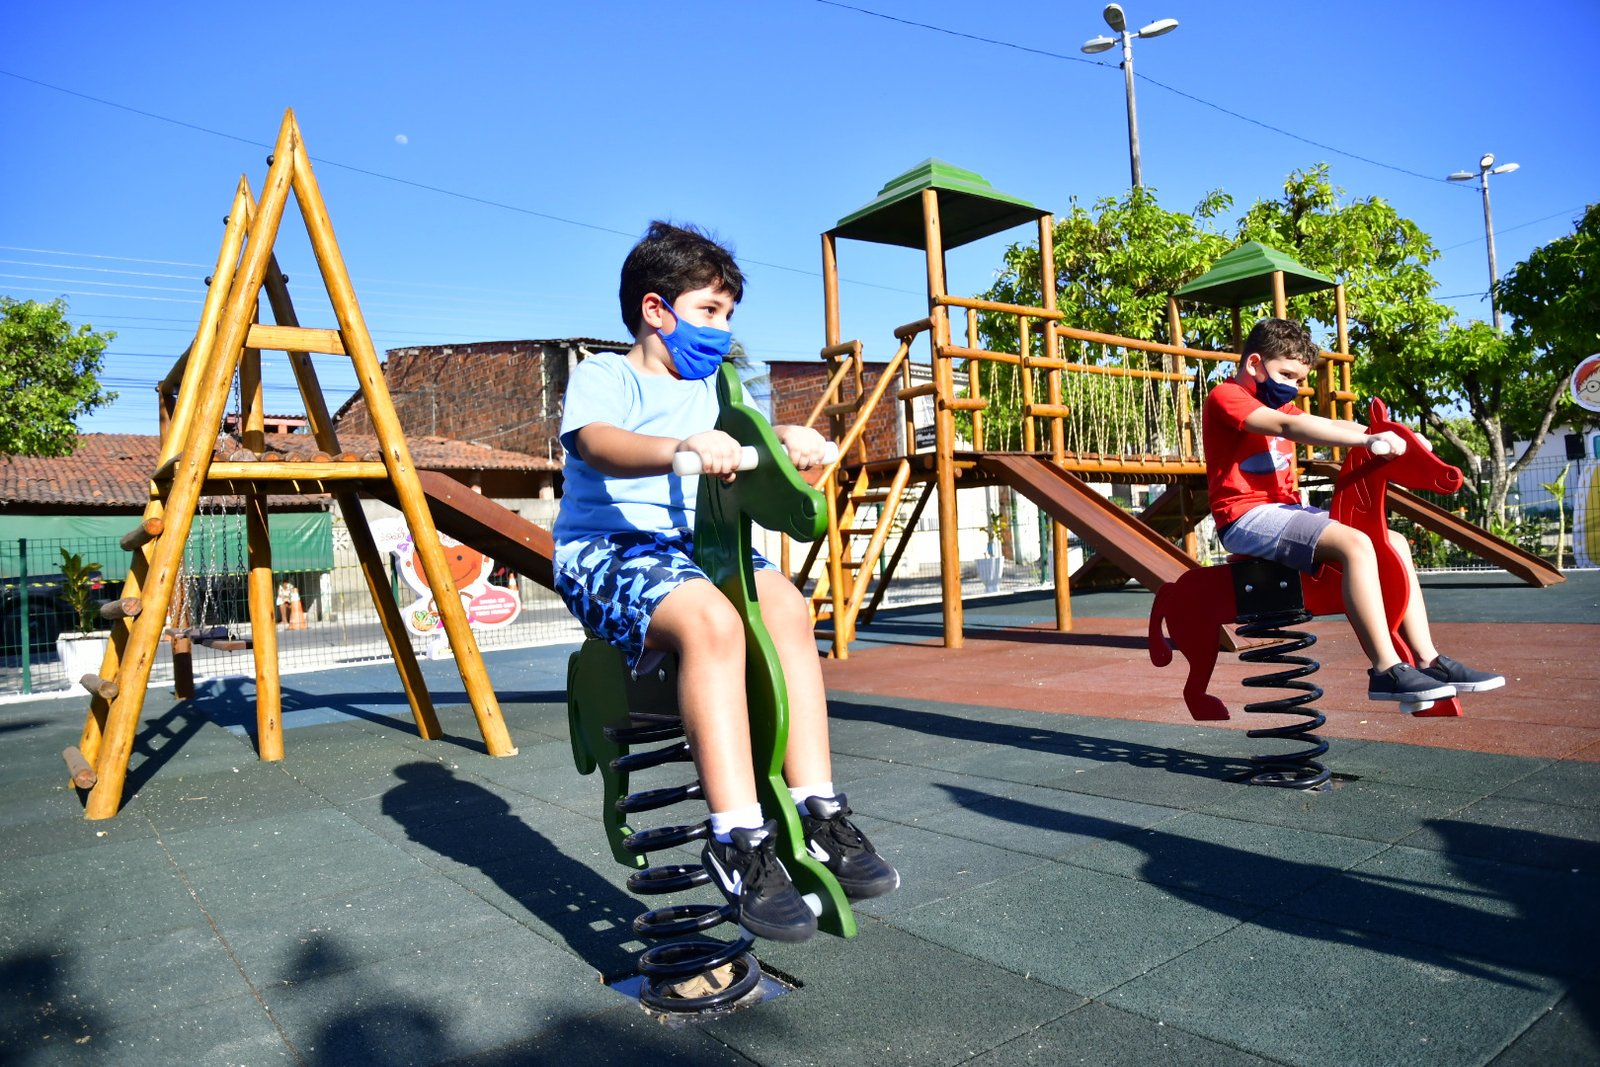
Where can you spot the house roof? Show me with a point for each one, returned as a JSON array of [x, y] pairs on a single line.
[[112, 470]]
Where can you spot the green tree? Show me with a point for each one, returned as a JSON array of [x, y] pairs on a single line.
[[48, 377]]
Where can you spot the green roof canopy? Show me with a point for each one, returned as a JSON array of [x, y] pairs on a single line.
[[969, 208], [1244, 276]]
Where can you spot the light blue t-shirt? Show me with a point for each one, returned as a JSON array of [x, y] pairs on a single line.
[[606, 388]]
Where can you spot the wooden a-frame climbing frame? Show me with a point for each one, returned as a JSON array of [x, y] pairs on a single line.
[[227, 343]]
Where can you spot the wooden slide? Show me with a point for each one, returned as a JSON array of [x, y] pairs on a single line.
[[1128, 544], [1474, 538], [496, 531]]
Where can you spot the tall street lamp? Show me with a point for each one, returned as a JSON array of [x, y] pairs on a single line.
[[1116, 20], [1486, 167]]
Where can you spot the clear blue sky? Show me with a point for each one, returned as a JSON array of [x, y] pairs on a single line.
[[487, 166]]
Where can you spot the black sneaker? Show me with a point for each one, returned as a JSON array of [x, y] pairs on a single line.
[[1407, 684], [751, 876], [1464, 678], [836, 843]]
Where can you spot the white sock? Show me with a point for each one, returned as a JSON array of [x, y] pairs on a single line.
[[724, 823], [802, 793]]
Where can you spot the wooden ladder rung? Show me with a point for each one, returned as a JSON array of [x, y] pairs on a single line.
[[127, 607], [104, 688], [145, 532], [83, 775]]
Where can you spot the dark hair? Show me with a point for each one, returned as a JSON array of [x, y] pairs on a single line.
[[1281, 339], [671, 260]]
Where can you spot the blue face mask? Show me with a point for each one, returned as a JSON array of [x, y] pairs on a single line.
[[697, 351], [1275, 394]]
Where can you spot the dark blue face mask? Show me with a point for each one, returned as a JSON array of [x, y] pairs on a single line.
[[697, 351], [1275, 394]]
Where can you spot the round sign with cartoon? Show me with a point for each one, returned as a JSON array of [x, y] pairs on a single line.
[[1586, 383], [486, 605]]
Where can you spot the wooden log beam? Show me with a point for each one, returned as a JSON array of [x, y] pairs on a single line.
[[83, 775], [104, 688], [295, 339], [142, 534]]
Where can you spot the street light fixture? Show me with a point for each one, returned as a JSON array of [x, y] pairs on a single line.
[[1486, 167], [1119, 23]]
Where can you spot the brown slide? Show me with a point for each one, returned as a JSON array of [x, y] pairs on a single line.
[[497, 532]]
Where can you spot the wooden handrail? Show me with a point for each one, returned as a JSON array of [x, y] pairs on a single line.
[[974, 304], [911, 329]]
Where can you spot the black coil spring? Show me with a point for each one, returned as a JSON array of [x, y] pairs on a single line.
[[664, 966], [1298, 769]]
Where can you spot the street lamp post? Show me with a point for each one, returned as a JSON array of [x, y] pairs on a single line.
[[1486, 167], [1118, 22]]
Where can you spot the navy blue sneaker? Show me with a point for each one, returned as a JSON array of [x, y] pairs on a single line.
[[751, 876], [838, 845], [1406, 684]]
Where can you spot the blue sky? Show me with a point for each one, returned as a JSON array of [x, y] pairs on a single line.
[[487, 165]]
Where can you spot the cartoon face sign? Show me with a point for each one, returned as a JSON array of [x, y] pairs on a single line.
[[467, 565], [1586, 383], [486, 605]]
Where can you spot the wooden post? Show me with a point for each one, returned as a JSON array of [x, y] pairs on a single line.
[[263, 628], [944, 430], [397, 455], [830, 290], [355, 521], [974, 380], [1345, 408], [187, 481], [1030, 431], [1180, 365], [1280, 302], [1060, 536], [1238, 332]]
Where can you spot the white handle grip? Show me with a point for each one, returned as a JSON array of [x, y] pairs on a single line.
[[1380, 447], [687, 464]]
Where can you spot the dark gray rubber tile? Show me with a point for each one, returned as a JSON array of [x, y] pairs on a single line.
[[1480, 912], [1453, 770], [1073, 928], [1141, 775], [887, 998], [276, 836], [244, 791], [1567, 1033], [451, 1000], [1562, 782], [179, 971], [50, 835], [1251, 865], [1106, 1037], [1301, 992], [934, 867], [917, 795], [233, 1031], [1048, 823], [99, 911], [623, 1035], [1560, 837], [108, 860], [1374, 810]]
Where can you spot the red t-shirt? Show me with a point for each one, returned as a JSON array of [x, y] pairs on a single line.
[[1244, 469]]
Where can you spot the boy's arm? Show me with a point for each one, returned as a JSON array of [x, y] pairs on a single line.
[[1308, 429], [620, 453]]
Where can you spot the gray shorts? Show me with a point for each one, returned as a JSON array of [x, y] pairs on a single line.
[[1284, 533]]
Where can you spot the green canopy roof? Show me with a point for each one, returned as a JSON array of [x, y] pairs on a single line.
[[969, 208], [1244, 276]]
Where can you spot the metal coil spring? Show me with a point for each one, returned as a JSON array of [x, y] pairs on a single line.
[[1298, 769], [666, 965]]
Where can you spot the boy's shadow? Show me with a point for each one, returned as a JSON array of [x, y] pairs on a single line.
[[551, 893]]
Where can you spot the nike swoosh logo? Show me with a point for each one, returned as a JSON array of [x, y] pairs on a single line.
[[730, 880], [818, 853]]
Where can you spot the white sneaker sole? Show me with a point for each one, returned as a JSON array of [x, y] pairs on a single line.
[[1480, 687], [1438, 692]]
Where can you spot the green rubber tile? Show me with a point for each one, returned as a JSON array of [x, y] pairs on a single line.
[[1460, 771], [445, 1002], [1101, 1035], [1556, 836], [623, 1035], [1300, 992], [175, 800], [351, 930], [1073, 928], [118, 982], [101, 911], [1048, 823], [234, 1031], [278, 880], [1567, 1033], [886, 997], [1480, 912], [1561, 782], [933, 867], [1251, 865], [1374, 810]]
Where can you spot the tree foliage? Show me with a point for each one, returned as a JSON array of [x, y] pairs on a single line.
[[48, 377]]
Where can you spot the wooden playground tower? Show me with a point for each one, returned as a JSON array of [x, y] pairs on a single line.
[[935, 207], [227, 346]]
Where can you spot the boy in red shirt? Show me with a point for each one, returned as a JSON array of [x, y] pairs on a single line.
[[1250, 425]]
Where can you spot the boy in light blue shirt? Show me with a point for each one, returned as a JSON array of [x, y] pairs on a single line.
[[624, 565]]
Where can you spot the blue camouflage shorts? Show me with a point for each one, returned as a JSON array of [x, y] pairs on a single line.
[[613, 583]]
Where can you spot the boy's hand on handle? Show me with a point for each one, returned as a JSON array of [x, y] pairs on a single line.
[[806, 447], [1386, 443], [714, 452], [685, 464]]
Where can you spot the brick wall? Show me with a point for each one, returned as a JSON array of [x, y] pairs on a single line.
[[797, 385]]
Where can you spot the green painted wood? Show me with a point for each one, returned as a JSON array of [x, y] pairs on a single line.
[[1244, 277], [969, 208]]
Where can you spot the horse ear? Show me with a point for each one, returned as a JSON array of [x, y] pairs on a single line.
[[1379, 412]]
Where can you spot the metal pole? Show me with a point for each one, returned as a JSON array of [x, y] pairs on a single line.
[[22, 599], [1488, 229], [1133, 117]]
